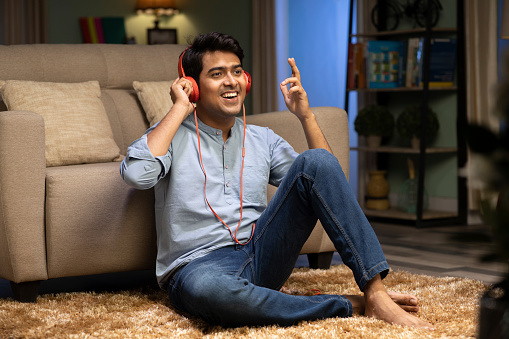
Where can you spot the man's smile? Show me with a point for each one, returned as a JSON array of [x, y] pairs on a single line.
[[230, 95]]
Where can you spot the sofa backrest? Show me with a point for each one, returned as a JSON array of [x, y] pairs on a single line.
[[114, 66]]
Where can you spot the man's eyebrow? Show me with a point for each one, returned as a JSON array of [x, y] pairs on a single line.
[[221, 68]]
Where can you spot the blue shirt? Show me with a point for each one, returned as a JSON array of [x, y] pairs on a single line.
[[186, 227]]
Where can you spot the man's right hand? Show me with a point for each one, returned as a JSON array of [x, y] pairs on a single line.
[[159, 139], [180, 90]]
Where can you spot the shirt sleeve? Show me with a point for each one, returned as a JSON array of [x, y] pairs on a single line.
[[140, 169], [282, 157]]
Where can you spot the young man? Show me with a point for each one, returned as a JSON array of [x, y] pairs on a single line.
[[223, 254]]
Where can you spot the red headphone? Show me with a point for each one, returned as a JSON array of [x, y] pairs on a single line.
[[195, 93]]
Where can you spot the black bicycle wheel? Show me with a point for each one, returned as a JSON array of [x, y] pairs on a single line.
[[421, 10], [391, 18]]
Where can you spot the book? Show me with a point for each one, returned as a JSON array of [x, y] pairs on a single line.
[[356, 74], [360, 65], [350, 72], [114, 30], [402, 63], [383, 63], [414, 46], [91, 29], [442, 63], [85, 32], [99, 30]]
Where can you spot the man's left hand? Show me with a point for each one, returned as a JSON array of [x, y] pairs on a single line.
[[295, 96]]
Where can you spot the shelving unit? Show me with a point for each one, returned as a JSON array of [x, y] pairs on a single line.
[[376, 155]]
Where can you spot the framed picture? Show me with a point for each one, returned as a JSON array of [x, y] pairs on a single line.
[[157, 36]]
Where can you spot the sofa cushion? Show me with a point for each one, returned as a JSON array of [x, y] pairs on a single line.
[[155, 98], [95, 223], [76, 125]]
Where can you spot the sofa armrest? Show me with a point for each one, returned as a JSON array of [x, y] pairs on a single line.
[[22, 192], [333, 122]]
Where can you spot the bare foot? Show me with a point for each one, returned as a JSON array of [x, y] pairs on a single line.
[[407, 302], [391, 307]]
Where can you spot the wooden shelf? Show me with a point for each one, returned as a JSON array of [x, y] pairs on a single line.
[[404, 32], [404, 150], [403, 89], [395, 213]]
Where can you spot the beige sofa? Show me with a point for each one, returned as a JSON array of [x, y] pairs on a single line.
[[82, 219]]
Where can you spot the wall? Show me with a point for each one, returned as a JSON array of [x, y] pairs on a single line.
[[196, 16], [317, 39]]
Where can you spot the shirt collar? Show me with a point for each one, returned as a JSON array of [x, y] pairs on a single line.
[[210, 130]]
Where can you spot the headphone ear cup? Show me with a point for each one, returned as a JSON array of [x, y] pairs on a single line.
[[247, 76], [195, 93]]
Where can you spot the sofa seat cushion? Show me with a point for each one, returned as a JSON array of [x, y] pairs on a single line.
[[95, 223], [75, 122]]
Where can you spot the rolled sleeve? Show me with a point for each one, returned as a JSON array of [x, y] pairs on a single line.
[[140, 169]]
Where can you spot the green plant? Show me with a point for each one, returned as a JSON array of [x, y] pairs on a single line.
[[374, 120], [409, 123], [490, 172]]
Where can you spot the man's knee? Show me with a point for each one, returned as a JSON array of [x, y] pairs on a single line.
[[319, 157]]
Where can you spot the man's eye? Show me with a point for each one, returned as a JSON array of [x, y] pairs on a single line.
[[216, 74], [238, 72]]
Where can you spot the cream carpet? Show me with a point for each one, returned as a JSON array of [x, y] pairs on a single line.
[[451, 304]]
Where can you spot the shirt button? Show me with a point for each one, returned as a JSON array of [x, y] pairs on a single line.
[[228, 184], [218, 132], [224, 146], [226, 166]]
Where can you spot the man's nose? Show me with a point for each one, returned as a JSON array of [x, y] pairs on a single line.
[[229, 79]]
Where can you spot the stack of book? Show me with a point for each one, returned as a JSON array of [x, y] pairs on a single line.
[[109, 30], [399, 63]]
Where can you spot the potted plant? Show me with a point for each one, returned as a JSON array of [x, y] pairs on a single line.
[[490, 173], [374, 122], [408, 124]]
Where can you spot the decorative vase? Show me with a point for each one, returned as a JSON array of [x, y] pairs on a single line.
[[416, 142], [378, 191], [374, 140]]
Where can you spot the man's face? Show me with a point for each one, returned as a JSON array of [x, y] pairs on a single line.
[[222, 86]]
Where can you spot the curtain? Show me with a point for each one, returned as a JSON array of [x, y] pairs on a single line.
[[265, 86], [24, 21], [481, 63]]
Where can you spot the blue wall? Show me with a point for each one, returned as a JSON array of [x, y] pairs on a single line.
[[317, 39], [316, 35]]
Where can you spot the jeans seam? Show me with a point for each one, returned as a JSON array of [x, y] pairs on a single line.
[[349, 305], [243, 267], [340, 228], [365, 276], [287, 192]]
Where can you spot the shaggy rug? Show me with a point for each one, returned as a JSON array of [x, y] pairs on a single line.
[[451, 304]]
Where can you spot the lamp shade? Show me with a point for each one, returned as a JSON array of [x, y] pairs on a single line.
[[156, 6], [504, 25]]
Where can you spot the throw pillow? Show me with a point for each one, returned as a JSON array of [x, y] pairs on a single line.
[[155, 99], [76, 125]]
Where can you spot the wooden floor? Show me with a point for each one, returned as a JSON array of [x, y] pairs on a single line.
[[432, 251], [429, 251]]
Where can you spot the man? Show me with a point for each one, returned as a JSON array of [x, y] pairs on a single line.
[[223, 254]]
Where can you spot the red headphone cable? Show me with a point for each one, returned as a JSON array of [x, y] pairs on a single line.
[[234, 237]]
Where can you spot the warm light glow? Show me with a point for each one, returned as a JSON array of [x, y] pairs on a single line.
[[157, 7], [504, 27]]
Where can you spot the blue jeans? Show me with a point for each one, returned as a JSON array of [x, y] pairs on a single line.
[[239, 285]]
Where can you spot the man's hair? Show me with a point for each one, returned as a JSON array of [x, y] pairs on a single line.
[[208, 42]]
